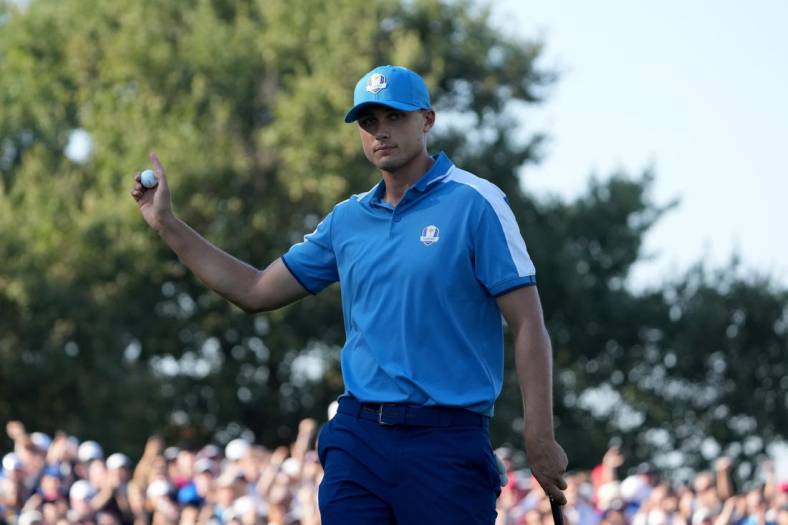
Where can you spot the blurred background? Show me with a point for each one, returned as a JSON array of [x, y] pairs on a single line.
[[639, 146]]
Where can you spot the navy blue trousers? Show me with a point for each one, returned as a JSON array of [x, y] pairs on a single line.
[[406, 474]]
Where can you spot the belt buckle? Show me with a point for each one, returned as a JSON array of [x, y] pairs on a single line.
[[380, 416]]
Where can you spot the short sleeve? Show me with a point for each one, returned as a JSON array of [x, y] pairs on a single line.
[[502, 262], [312, 261]]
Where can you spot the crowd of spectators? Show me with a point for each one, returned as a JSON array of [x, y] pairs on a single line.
[[602, 497], [59, 480]]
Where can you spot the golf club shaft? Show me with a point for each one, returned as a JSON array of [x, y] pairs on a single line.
[[558, 516]]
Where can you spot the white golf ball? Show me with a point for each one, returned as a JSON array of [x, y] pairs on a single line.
[[148, 179]]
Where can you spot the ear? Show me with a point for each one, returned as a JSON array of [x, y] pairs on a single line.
[[429, 119]]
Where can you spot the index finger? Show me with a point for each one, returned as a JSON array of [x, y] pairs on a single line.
[[560, 482], [554, 478], [553, 488], [157, 167]]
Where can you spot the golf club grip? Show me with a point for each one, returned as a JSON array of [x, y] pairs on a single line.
[[558, 516]]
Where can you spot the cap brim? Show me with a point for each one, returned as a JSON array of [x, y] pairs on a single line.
[[352, 115]]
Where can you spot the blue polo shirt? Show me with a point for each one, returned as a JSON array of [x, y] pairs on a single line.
[[418, 284]]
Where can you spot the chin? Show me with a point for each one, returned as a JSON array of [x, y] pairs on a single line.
[[389, 164]]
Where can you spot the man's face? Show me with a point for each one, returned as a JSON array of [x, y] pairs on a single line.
[[391, 138]]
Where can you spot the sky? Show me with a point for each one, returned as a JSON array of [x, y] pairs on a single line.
[[696, 90]]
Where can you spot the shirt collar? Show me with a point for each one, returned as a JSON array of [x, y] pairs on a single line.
[[438, 171], [440, 168]]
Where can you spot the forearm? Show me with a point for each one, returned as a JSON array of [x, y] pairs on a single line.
[[219, 271], [724, 518], [724, 486], [533, 359]]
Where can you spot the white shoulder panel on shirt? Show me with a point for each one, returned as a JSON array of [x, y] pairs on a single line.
[[497, 199]]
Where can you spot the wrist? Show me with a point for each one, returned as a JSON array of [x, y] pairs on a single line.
[[536, 438], [166, 223]]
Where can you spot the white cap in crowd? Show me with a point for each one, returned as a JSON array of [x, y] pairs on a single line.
[[635, 488], [291, 467], [609, 495], [171, 453], [41, 441], [209, 451], [247, 503], [11, 462], [158, 488], [203, 465], [118, 460], [236, 449], [88, 451], [82, 490]]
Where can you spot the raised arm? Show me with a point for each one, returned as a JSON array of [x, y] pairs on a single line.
[[251, 289], [533, 357]]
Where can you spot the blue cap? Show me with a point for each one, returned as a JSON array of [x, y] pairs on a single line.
[[188, 495], [52, 471], [391, 86]]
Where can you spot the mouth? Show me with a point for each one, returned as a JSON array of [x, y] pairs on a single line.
[[383, 148]]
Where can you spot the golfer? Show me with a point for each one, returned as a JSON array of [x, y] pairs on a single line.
[[428, 262]]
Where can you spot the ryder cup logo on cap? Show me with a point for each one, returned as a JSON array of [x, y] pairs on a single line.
[[390, 86], [376, 83]]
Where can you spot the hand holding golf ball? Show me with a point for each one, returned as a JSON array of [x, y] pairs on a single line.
[[152, 194], [148, 179]]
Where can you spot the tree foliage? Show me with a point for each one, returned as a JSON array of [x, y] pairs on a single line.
[[104, 333]]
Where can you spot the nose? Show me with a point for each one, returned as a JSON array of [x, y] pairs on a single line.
[[382, 132]]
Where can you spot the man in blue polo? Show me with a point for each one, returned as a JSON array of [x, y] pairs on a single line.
[[427, 260]]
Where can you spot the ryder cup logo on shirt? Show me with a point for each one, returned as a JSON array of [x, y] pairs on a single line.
[[376, 83], [429, 235]]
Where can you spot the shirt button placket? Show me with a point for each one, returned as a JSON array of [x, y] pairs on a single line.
[[395, 218]]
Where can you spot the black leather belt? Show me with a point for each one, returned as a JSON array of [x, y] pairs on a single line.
[[410, 415]]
